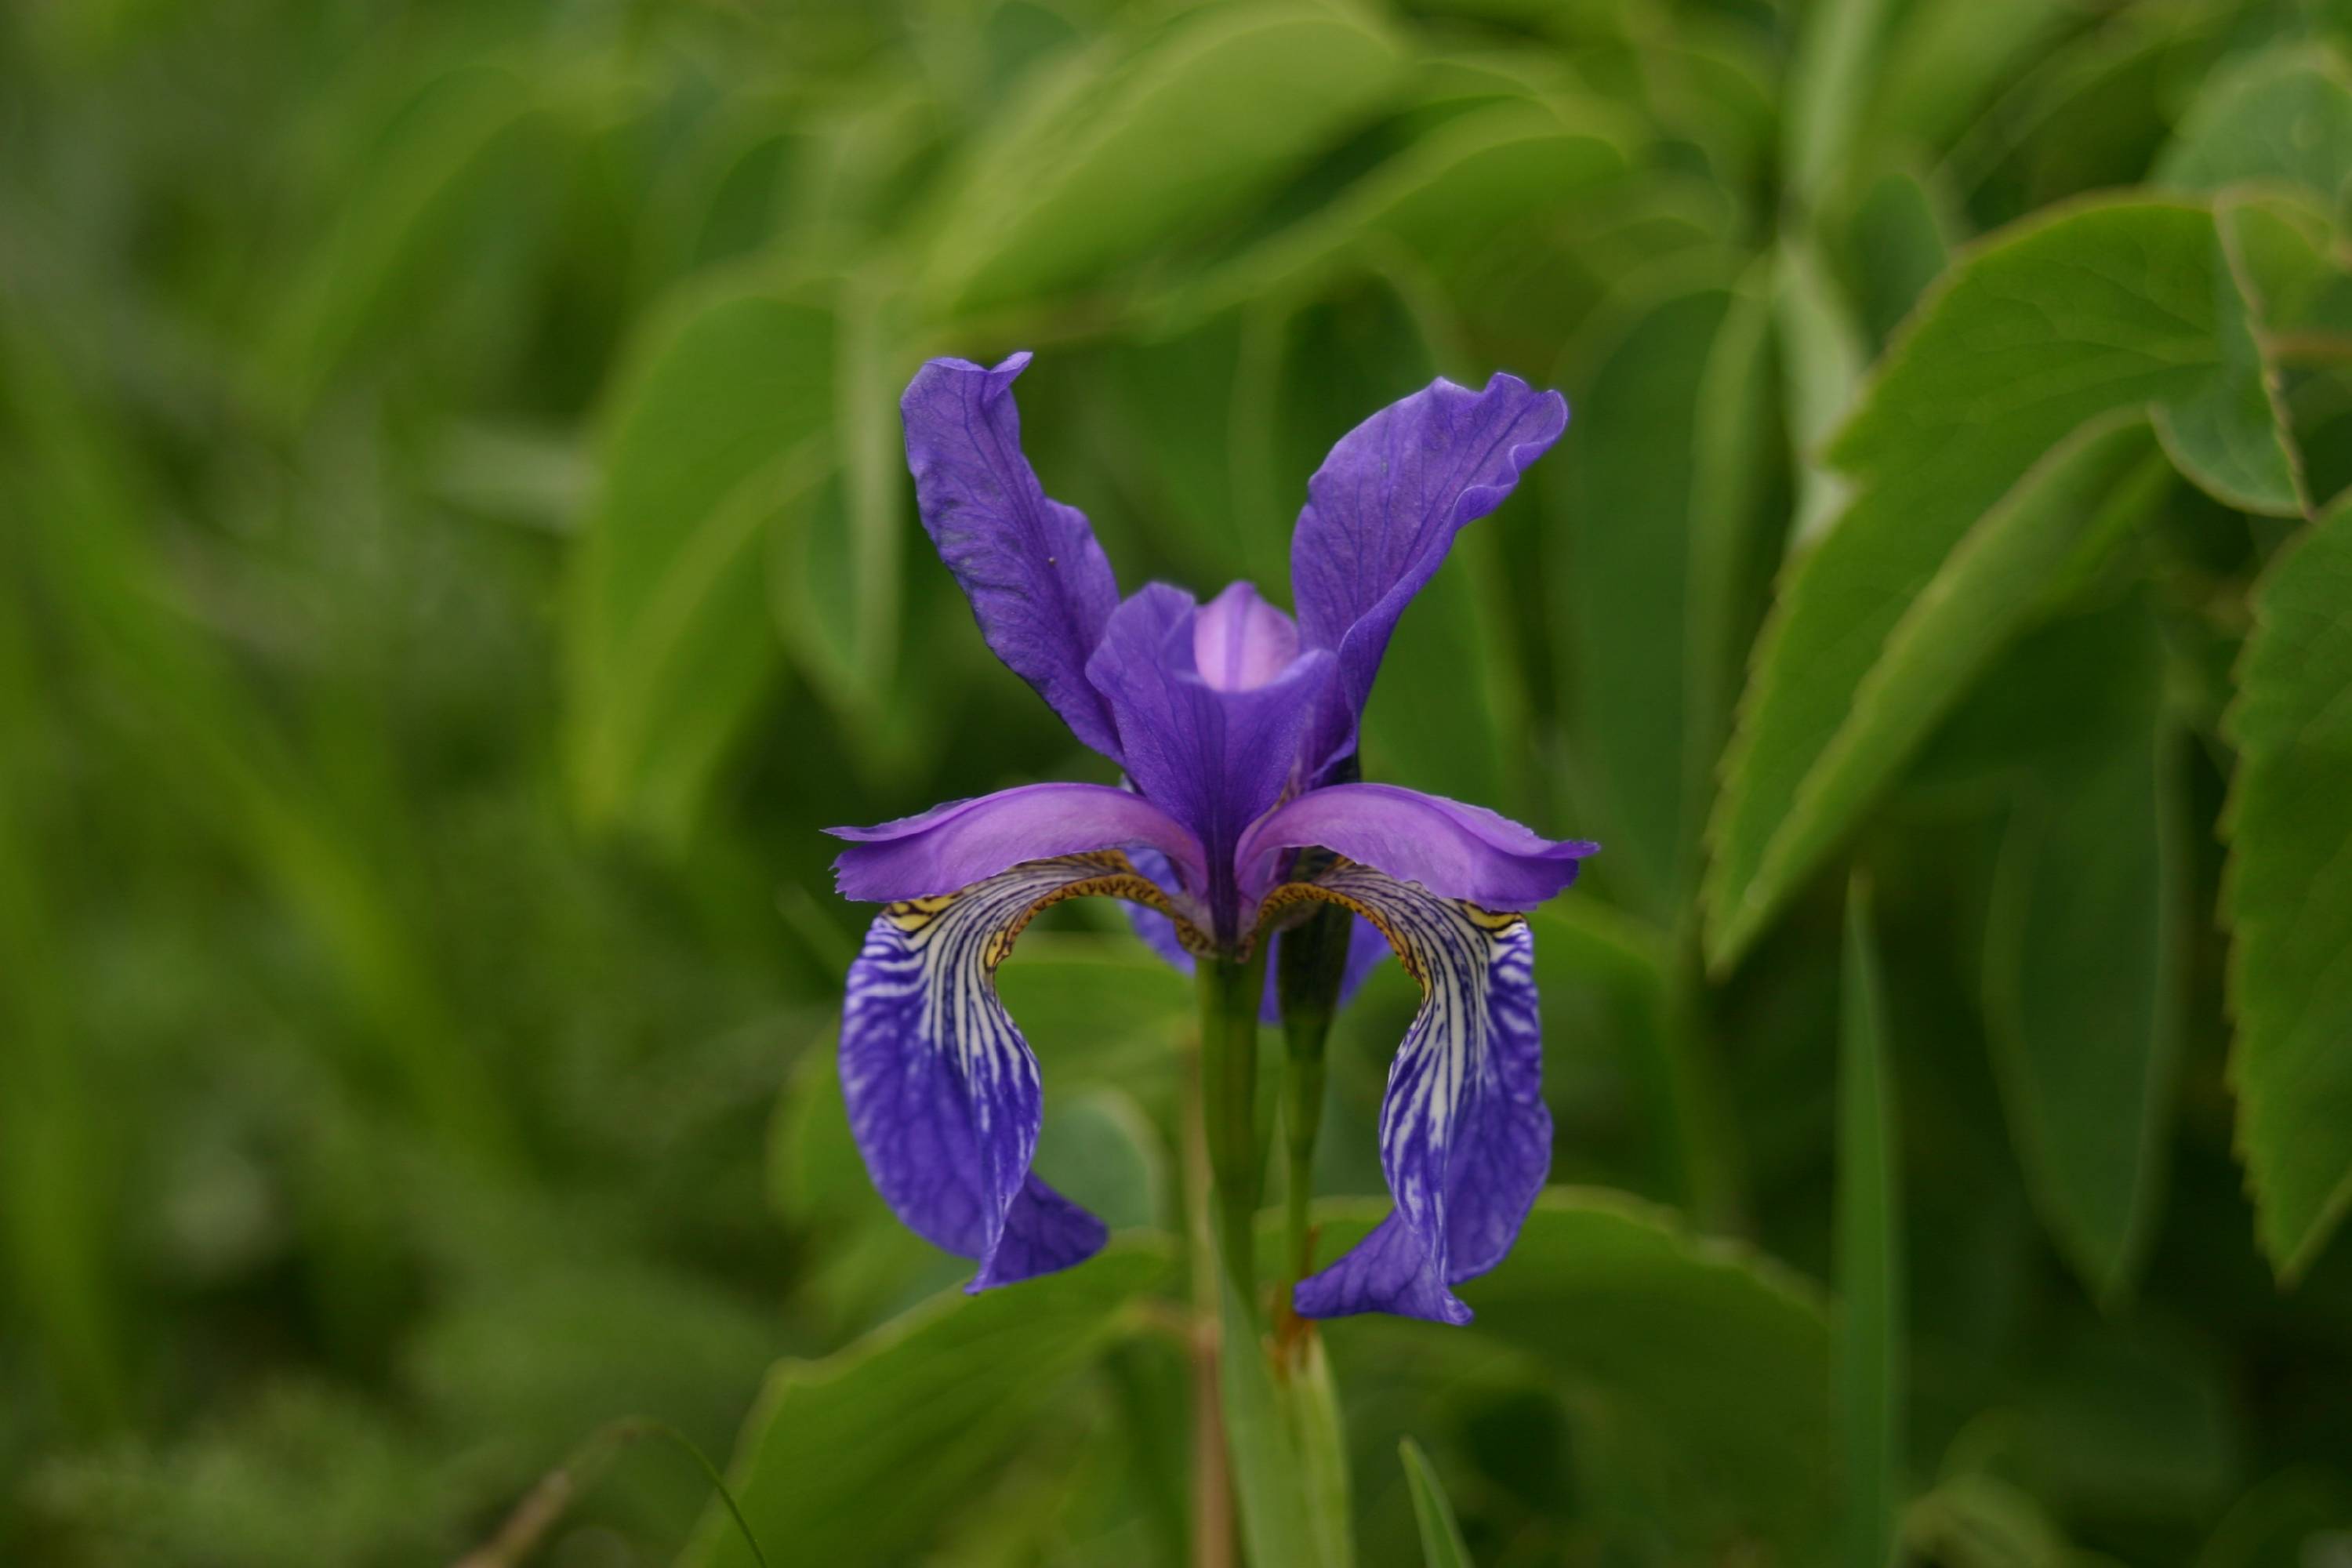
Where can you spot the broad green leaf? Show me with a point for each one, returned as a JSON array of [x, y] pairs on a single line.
[[2288, 899], [1734, 494], [1870, 1321], [1282, 1435], [430, 169], [1654, 498], [1442, 1545], [1608, 982], [858, 658], [1442, 192], [1948, 631], [1207, 111], [1098, 1149], [2282, 115], [1974, 475], [860, 1456], [1099, 1009], [1822, 359], [2083, 990], [1895, 249], [2083, 113], [2284, 250], [723, 424], [1719, 1356], [1946, 57], [1828, 79]]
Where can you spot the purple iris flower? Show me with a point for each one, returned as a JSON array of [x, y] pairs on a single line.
[[1228, 719]]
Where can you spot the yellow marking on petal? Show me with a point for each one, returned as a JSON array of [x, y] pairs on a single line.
[[1131, 885], [1118, 880], [1291, 895]]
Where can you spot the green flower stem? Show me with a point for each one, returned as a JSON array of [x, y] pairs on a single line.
[[1304, 1034], [1230, 992]]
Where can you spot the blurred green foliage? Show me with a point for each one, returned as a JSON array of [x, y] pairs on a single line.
[[455, 554]]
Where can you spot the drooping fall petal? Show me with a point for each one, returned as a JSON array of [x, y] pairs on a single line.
[[1466, 1139], [943, 1091]]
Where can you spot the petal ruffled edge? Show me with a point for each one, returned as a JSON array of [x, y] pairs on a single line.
[[1382, 512], [955, 844], [1453, 850]]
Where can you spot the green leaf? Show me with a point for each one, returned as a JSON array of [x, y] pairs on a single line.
[[1098, 1149], [432, 167], [1946, 632], [1454, 184], [2085, 947], [1655, 497], [2288, 901], [59, 1202], [837, 570], [1895, 249], [1719, 1356], [1947, 58], [1870, 1338], [1442, 1545], [1822, 359], [1829, 78], [1975, 476], [1288, 1461], [723, 425], [919, 1412], [2282, 115], [1205, 111], [2083, 111]]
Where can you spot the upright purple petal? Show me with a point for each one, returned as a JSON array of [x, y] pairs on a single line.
[[956, 845], [1466, 1139], [1039, 584], [943, 1092], [1240, 642], [1455, 851], [1383, 510], [1212, 759]]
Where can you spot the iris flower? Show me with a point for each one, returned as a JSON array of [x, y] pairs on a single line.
[[1230, 722]]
